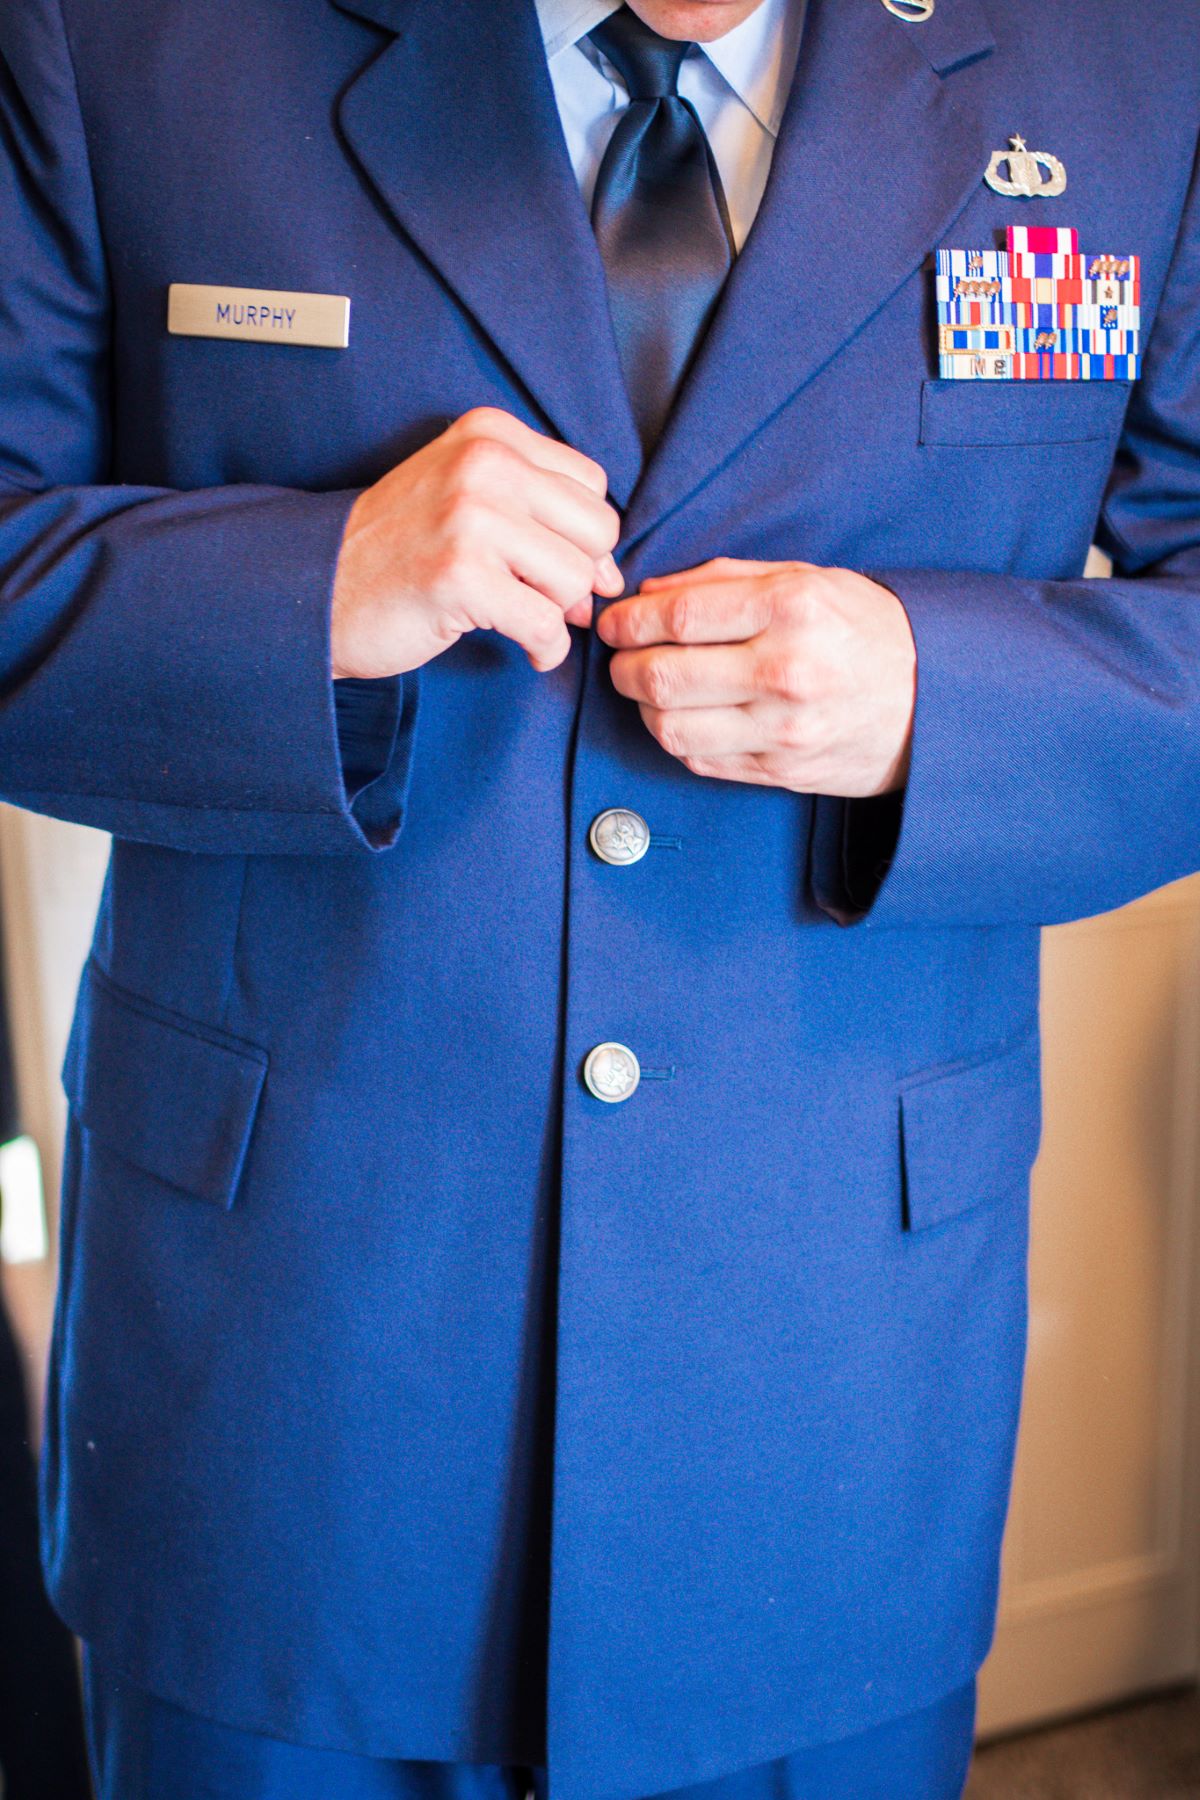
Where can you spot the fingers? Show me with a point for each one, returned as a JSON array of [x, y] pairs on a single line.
[[699, 732], [750, 769], [529, 619], [721, 568], [721, 611], [514, 470], [542, 451], [561, 459], [545, 561], [581, 614], [609, 580], [574, 513], [669, 676]]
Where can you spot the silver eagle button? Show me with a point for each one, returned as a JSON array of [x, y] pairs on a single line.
[[611, 1072], [619, 836]]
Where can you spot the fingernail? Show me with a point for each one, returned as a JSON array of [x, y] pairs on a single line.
[[611, 577]]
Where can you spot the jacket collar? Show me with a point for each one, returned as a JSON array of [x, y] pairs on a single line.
[[875, 159], [455, 123]]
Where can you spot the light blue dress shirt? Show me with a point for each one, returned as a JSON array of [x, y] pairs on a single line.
[[738, 84]]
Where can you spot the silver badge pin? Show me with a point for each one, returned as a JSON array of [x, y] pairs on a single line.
[[914, 11], [1025, 179], [258, 315]]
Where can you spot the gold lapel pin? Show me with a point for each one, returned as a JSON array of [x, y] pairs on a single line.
[[1025, 179]]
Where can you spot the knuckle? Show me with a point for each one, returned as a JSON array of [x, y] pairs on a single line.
[[782, 675], [544, 631], [788, 599], [679, 615], [453, 570], [477, 421], [567, 584], [450, 625], [672, 735], [659, 682], [592, 475], [579, 575], [481, 462], [794, 732]]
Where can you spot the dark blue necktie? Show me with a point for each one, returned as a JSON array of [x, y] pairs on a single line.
[[660, 220]]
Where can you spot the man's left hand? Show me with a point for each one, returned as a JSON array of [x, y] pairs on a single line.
[[783, 674]]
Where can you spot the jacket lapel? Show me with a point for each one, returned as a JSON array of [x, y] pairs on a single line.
[[874, 161], [456, 125]]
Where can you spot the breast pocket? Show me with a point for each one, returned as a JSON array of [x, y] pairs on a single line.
[[993, 413], [970, 1132]]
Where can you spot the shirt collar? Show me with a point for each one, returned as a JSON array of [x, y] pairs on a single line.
[[564, 22], [757, 58]]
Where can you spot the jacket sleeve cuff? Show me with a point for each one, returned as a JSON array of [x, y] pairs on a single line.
[[1054, 765], [191, 702], [376, 723], [852, 847], [943, 851]]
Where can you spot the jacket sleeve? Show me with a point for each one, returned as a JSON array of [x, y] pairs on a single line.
[[164, 656], [1056, 744]]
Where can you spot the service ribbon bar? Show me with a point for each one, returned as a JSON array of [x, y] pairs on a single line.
[[1038, 311], [1042, 240]]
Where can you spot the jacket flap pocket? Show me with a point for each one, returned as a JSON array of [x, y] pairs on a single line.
[[982, 413], [173, 1096], [970, 1133]]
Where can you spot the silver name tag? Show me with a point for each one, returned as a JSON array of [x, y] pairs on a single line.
[[258, 315]]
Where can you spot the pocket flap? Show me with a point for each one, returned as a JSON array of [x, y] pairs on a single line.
[[970, 1133], [994, 413], [173, 1096]]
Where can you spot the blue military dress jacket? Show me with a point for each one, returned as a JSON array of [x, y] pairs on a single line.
[[406, 1398]]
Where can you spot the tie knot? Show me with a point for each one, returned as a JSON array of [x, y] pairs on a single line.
[[648, 64]]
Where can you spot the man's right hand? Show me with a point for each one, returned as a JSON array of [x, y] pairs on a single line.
[[491, 527]]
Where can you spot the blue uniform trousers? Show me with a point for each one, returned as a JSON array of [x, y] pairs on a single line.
[[144, 1748]]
